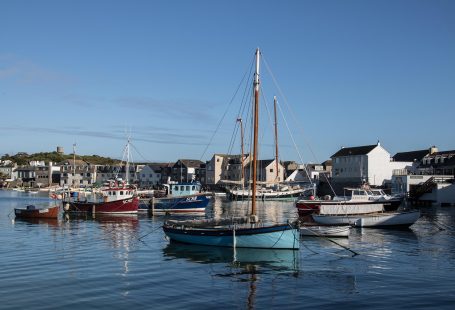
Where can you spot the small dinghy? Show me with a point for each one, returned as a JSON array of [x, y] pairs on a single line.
[[33, 212]]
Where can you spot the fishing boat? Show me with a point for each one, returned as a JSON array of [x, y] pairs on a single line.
[[32, 211], [324, 231], [388, 219], [118, 197], [183, 198], [248, 232]]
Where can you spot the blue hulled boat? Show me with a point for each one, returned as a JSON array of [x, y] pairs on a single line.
[[234, 233], [182, 198]]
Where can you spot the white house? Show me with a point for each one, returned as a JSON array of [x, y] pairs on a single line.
[[369, 163], [148, 177]]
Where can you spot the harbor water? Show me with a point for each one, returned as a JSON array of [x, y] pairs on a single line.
[[127, 263]]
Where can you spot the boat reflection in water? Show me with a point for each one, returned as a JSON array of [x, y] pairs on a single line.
[[245, 265], [50, 222], [269, 260]]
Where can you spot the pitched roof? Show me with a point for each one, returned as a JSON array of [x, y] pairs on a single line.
[[357, 150], [191, 163], [410, 156]]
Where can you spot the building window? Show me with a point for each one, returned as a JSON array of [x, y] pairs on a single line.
[[271, 170]]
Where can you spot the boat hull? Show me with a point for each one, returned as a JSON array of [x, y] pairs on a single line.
[[335, 220], [184, 204], [124, 206], [270, 237], [37, 213], [276, 195], [396, 219], [384, 220]]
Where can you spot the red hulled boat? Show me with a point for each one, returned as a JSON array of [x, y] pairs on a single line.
[[115, 199]]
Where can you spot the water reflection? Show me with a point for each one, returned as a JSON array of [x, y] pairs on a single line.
[[265, 260], [50, 222], [241, 264], [268, 211]]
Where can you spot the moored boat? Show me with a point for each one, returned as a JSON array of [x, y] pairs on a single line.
[[389, 219], [183, 198], [267, 193], [380, 219], [117, 198], [33, 212], [238, 233], [358, 201]]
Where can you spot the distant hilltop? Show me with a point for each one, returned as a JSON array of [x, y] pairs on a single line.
[[23, 158]]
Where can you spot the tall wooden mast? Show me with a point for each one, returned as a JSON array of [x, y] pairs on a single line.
[[276, 140], [241, 146], [255, 133]]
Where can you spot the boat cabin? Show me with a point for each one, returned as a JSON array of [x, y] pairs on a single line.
[[184, 189], [117, 191], [358, 194]]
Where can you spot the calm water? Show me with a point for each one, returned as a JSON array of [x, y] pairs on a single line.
[[126, 262]]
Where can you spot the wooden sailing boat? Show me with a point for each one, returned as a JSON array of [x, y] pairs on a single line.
[[244, 232]]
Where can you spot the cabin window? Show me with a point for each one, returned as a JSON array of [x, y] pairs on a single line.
[[187, 188], [193, 187], [176, 188], [121, 192], [182, 188]]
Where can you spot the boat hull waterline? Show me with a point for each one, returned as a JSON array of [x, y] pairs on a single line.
[[124, 206], [37, 213], [271, 237], [401, 219], [189, 204], [387, 219]]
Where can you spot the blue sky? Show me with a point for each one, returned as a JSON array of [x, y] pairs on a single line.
[[350, 72]]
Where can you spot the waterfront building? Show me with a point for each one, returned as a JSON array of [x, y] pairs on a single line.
[[438, 163], [187, 170], [266, 171], [215, 167], [7, 169], [26, 175], [77, 173], [148, 177], [370, 164], [430, 178]]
